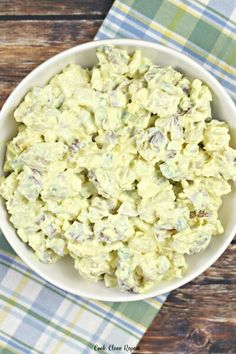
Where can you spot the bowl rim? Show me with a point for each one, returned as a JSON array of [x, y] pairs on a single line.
[[124, 297]]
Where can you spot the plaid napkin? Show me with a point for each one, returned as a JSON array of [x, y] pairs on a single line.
[[36, 317]]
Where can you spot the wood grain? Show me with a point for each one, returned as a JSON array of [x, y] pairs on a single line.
[[61, 8], [198, 318]]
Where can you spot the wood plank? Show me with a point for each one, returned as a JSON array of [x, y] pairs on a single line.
[[47, 33], [61, 7], [29, 43], [199, 317]]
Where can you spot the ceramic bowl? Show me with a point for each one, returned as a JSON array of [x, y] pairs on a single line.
[[62, 274]]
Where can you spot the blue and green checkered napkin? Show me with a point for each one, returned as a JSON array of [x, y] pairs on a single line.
[[36, 317]]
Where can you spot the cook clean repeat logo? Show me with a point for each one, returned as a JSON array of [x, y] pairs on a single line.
[[126, 348]]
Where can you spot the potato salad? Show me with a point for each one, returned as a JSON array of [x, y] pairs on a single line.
[[120, 166]]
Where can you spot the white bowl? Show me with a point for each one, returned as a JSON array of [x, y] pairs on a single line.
[[63, 274]]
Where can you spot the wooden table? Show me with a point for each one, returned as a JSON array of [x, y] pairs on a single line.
[[197, 318]]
